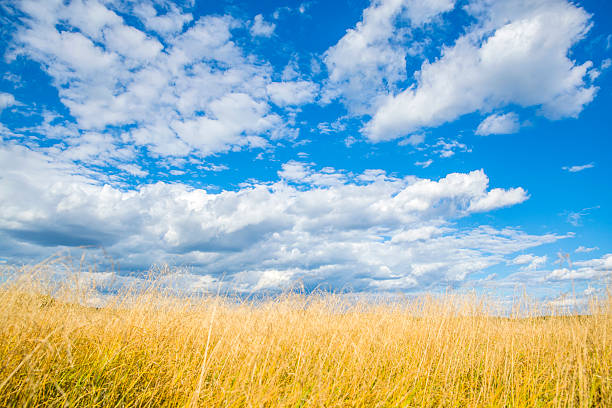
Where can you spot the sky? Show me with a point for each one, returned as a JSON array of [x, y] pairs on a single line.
[[384, 146]]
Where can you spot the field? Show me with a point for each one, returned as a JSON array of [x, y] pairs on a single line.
[[153, 349]]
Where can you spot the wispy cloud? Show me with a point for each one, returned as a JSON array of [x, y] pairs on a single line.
[[575, 169], [499, 125], [575, 218], [582, 249], [424, 164], [530, 262]]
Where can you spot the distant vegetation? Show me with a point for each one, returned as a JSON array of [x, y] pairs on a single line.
[[151, 349]]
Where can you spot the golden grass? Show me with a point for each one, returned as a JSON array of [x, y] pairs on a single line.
[[293, 351]]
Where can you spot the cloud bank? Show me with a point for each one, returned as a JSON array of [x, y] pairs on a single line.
[[369, 231]]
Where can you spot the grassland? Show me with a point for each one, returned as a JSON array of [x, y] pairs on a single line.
[[151, 349]]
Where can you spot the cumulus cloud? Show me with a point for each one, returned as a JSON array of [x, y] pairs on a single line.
[[292, 92], [592, 269], [501, 124], [169, 21], [370, 58], [530, 262], [512, 55], [368, 231], [262, 28], [498, 198], [173, 89], [6, 100], [149, 79]]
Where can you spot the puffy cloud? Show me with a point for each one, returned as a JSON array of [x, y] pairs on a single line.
[[175, 96], [368, 231], [498, 198], [370, 58], [513, 55], [448, 148], [234, 116], [292, 92], [6, 100], [592, 269], [128, 41], [530, 262], [262, 28], [501, 124], [170, 22], [575, 169]]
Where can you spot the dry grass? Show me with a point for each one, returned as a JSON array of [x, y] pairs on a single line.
[[317, 350]]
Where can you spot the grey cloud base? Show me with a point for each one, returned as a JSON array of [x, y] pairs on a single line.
[[369, 232]]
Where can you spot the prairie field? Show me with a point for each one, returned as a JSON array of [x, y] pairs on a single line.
[[151, 348]]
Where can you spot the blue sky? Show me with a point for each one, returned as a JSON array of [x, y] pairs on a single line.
[[383, 146]]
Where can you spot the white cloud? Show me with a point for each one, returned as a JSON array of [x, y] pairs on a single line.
[[575, 169], [339, 125], [215, 167], [292, 92], [370, 58], [575, 217], [424, 164], [447, 149], [232, 116], [498, 198], [262, 28], [530, 262], [585, 249], [418, 234], [6, 100], [128, 41], [502, 124], [593, 269], [166, 23], [298, 172], [513, 55], [413, 140], [176, 96], [369, 231], [349, 141], [133, 169]]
